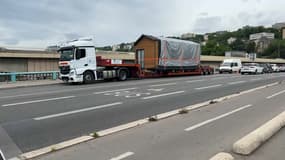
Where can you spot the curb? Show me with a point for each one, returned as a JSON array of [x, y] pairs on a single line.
[[33, 85], [106, 132], [56, 147], [222, 156], [255, 139]]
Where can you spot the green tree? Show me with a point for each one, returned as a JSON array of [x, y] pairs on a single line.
[[238, 45], [250, 48], [275, 50]]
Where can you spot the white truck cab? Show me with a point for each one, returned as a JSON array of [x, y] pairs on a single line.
[[230, 66], [78, 63]]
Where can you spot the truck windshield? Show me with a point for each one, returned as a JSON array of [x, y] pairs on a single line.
[[226, 64], [66, 54]]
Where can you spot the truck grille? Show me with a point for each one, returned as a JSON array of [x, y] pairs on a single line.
[[64, 69]]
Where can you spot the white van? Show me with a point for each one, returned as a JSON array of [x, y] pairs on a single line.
[[230, 66]]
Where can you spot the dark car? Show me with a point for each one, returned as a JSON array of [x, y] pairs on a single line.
[[266, 68]]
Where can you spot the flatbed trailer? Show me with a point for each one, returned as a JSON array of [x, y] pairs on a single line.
[[79, 63]]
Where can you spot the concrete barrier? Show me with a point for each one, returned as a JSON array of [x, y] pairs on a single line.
[[222, 156], [253, 140]]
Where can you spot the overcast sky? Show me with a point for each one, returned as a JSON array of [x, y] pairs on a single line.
[[38, 23]]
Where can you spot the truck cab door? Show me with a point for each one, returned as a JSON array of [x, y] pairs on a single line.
[[81, 60]]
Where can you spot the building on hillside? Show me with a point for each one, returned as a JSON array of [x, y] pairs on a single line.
[[206, 37], [262, 40], [283, 33], [257, 36], [188, 35], [122, 46], [231, 40], [235, 54], [278, 25], [262, 44]]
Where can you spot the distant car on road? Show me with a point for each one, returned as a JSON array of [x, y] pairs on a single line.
[[282, 68], [266, 68], [275, 67], [251, 68], [2, 156], [230, 66]]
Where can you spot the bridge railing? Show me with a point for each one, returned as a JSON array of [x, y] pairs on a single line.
[[27, 76]]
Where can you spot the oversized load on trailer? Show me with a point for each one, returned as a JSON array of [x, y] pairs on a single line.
[[155, 57], [159, 53]]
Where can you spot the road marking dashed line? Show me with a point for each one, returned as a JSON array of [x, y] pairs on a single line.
[[237, 82], [162, 95], [117, 90], [207, 87], [276, 94], [165, 84], [216, 118], [122, 156], [76, 111], [36, 101]]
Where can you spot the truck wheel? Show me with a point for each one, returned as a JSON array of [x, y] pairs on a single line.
[[123, 74], [88, 77]]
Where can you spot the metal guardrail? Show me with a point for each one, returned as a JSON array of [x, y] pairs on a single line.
[[25, 76]]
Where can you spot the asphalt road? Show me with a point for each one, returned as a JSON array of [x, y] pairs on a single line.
[[36, 117], [198, 135]]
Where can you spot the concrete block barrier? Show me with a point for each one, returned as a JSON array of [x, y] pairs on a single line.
[[222, 156], [253, 140]]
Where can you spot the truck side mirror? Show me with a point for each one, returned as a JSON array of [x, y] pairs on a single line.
[[2, 156]]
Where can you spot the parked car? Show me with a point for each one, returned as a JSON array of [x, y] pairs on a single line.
[[2, 156], [275, 67], [266, 68], [282, 68], [251, 68], [230, 66]]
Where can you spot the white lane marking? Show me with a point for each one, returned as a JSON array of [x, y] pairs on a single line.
[[76, 111], [37, 101], [219, 78], [126, 89], [193, 81], [216, 118], [162, 95], [207, 87], [276, 94], [122, 156], [256, 79], [237, 82], [156, 90], [165, 84]]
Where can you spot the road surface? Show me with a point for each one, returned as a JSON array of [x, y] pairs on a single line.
[[197, 135], [36, 117]]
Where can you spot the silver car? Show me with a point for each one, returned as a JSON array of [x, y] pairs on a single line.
[[251, 68]]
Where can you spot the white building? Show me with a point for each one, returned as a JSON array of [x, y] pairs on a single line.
[[258, 36], [231, 40], [188, 35], [278, 25]]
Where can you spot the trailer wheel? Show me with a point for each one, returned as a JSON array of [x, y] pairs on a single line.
[[88, 77], [123, 74]]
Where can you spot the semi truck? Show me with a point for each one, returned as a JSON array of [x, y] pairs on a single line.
[[78, 62]]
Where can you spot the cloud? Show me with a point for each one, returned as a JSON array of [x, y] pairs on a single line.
[[34, 23], [208, 24]]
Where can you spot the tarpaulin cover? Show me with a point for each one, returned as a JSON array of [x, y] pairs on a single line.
[[178, 53]]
